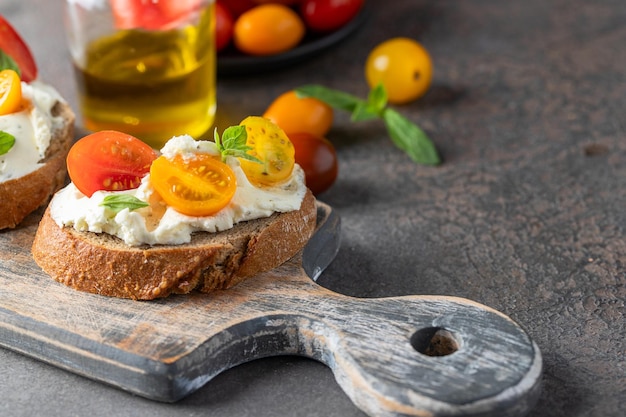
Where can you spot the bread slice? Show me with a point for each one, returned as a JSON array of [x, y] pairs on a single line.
[[21, 196], [104, 264]]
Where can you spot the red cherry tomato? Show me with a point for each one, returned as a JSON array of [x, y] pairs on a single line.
[[12, 44], [129, 14], [224, 24], [329, 15], [318, 159], [108, 160], [238, 7], [285, 2]]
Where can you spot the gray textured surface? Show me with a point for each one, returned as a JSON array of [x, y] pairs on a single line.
[[527, 215]]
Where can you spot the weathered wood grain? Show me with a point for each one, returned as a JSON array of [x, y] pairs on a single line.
[[380, 350]]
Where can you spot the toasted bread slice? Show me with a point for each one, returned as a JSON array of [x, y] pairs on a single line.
[[21, 196], [104, 264]]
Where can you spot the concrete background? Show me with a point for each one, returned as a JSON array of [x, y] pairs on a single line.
[[526, 215]]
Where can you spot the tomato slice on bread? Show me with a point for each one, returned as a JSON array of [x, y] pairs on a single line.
[[108, 161], [12, 45], [197, 186], [10, 91]]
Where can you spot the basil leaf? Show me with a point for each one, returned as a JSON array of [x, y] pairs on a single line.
[[6, 62], [335, 99], [7, 141], [410, 138], [234, 143], [404, 134], [364, 111], [119, 202], [377, 98]]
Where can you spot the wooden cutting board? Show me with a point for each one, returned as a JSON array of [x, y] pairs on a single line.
[[400, 356]]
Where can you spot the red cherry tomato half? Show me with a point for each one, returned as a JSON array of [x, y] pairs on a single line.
[[109, 161], [329, 15], [12, 44], [318, 159], [224, 24]]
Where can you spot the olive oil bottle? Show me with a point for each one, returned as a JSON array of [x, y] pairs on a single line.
[[153, 84]]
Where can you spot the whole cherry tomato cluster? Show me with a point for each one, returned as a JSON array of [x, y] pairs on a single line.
[[270, 27]]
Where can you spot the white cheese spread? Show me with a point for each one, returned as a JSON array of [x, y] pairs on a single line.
[[32, 127], [161, 224]]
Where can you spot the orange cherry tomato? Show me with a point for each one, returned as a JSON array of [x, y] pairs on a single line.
[[318, 158], [10, 91], [108, 160], [271, 145], [14, 46], [198, 186], [294, 114], [268, 29], [403, 66]]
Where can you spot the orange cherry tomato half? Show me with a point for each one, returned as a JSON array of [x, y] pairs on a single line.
[[268, 29], [10, 91], [109, 161], [294, 114], [272, 147], [317, 157], [12, 44], [198, 186]]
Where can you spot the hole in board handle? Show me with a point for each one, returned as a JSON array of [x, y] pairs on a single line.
[[434, 341]]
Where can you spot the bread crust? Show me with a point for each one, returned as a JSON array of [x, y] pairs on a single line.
[[103, 264], [21, 196]]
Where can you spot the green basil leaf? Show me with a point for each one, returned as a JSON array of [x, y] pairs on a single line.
[[377, 98], [335, 99], [364, 111], [6, 62], [410, 138], [234, 143], [119, 202], [7, 141]]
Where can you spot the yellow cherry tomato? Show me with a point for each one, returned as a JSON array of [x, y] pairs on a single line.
[[10, 91], [271, 145], [198, 186], [300, 115], [403, 66], [268, 29]]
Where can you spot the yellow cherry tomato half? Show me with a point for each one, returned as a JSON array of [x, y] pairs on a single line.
[[10, 91], [198, 186], [271, 145], [403, 66], [297, 115], [268, 29]]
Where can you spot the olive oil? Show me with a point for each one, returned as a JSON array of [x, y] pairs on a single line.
[[151, 84]]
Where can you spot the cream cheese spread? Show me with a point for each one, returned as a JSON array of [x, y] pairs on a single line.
[[32, 127], [161, 224]]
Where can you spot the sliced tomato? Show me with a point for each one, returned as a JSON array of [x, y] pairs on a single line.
[[10, 91], [198, 186], [109, 161], [154, 14], [270, 144], [12, 44]]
